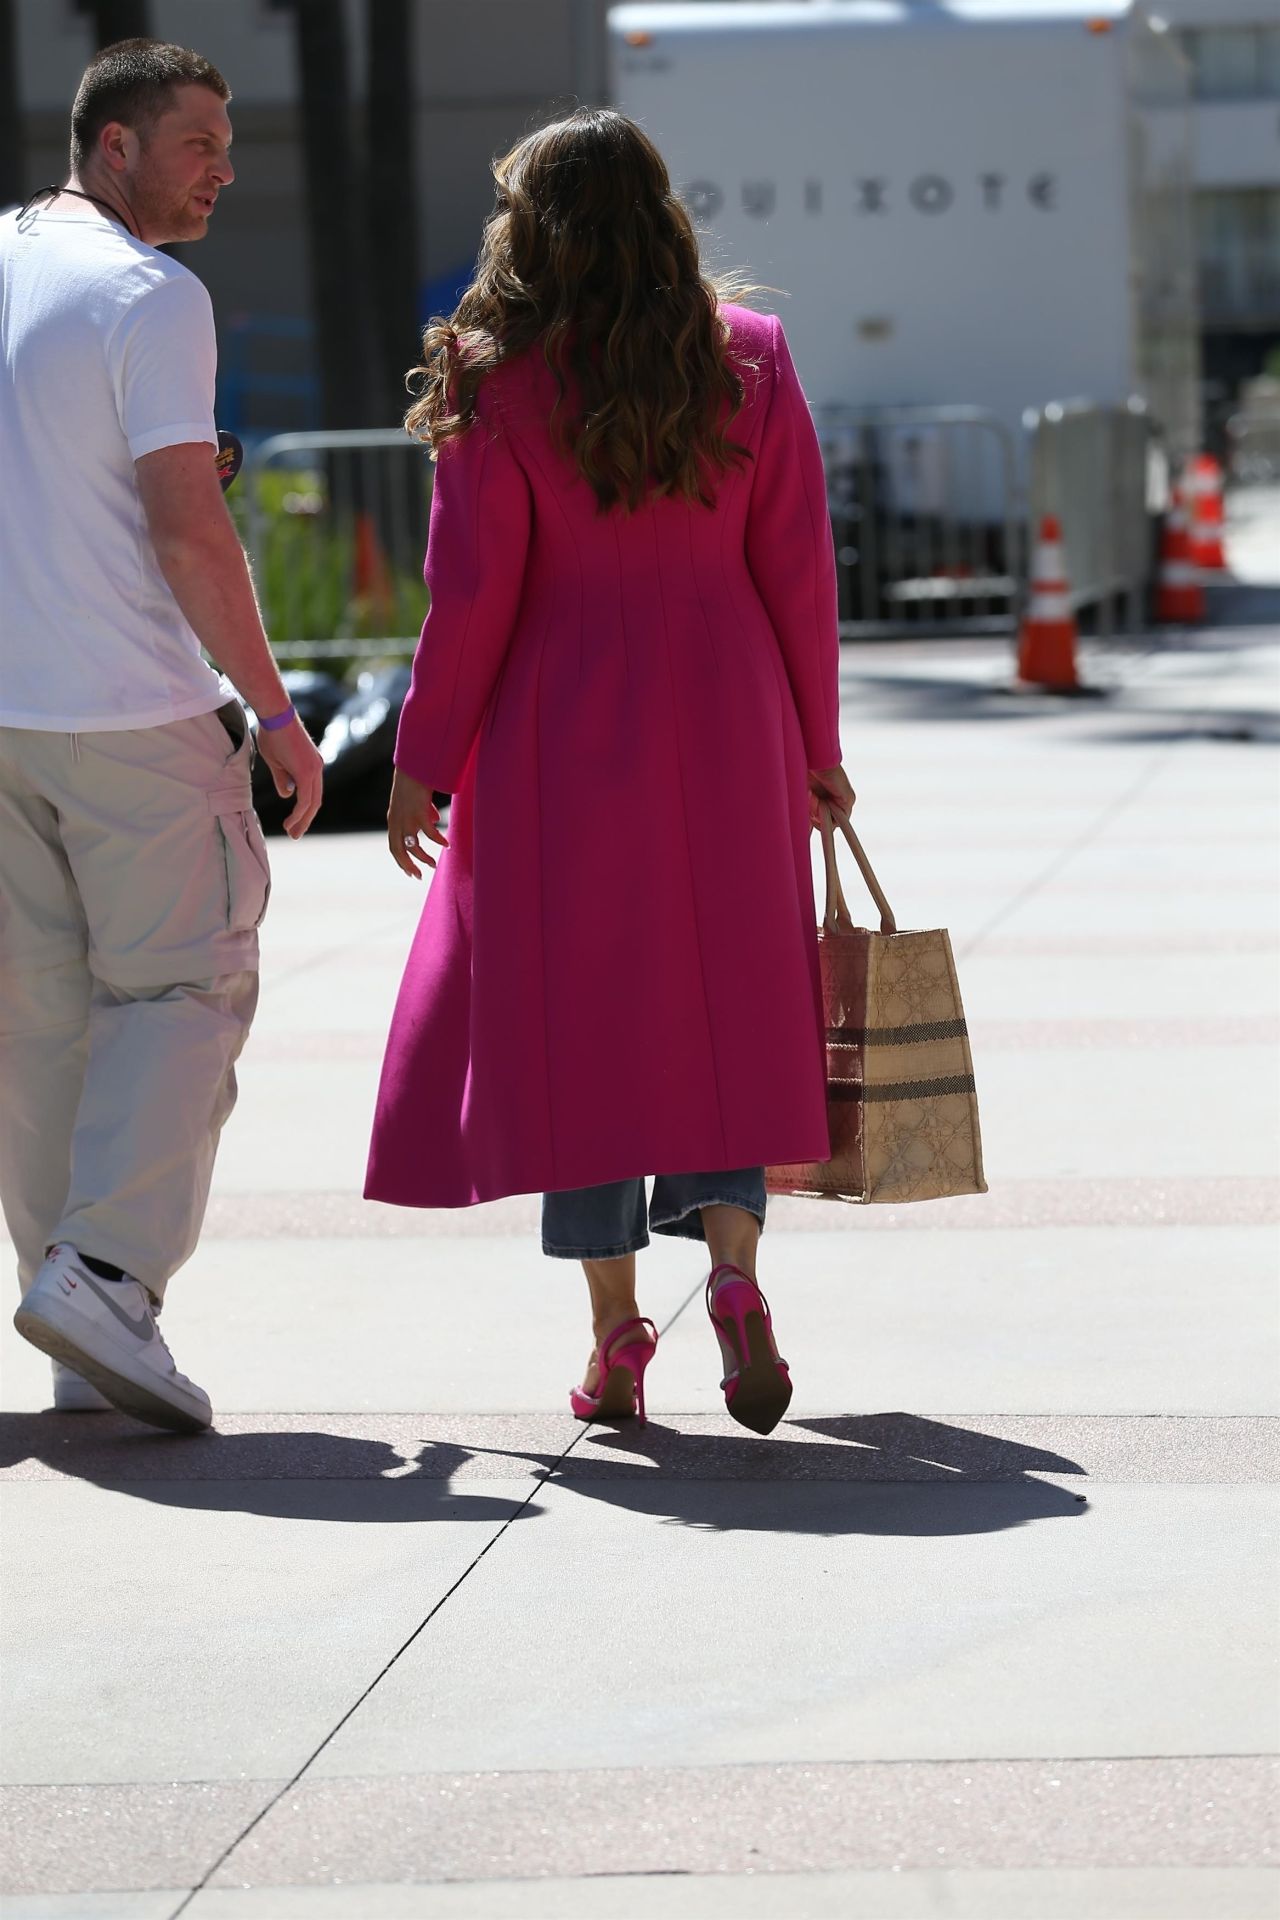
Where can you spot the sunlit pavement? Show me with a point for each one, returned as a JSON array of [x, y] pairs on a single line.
[[983, 1630]]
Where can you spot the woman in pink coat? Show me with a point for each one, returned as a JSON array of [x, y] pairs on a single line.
[[628, 681]]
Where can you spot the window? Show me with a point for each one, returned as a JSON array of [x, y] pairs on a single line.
[[1234, 63], [1238, 243], [1269, 61]]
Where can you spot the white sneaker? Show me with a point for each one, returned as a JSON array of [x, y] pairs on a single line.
[[106, 1331], [73, 1394]]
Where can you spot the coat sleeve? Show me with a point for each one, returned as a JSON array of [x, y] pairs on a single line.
[[789, 553], [476, 546]]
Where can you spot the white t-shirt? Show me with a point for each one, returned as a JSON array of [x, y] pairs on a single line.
[[107, 352]]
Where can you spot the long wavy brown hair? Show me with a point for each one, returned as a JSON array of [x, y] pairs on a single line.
[[590, 255]]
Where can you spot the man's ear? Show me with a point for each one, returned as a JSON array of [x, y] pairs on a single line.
[[118, 146]]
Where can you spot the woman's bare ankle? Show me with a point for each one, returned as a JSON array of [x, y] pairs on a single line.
[[615, 1315], [732, 1235], [612, 1288]]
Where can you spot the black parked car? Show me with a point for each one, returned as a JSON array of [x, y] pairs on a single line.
[[356, 733], [357, 749]]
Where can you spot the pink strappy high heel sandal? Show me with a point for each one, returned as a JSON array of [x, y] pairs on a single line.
[[620, 1389], [757, 1385]]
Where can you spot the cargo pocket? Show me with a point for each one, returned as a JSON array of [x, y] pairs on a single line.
[[244, 852]]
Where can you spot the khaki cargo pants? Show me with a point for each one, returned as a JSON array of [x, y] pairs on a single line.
[[133, 877]]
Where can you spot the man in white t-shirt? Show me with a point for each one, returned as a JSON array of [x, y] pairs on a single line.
[[133, 873]]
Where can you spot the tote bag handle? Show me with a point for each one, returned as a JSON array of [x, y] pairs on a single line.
[[837, 918]]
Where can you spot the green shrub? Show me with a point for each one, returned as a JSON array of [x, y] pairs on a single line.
[[305, 555]]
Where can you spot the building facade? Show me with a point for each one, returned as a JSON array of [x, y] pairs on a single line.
[[1233, 49]]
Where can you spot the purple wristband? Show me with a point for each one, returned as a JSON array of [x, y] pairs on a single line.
[[278, 720]]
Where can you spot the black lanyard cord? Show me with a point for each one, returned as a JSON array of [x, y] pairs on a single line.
[[54, 191]]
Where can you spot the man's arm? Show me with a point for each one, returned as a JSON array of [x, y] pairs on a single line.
[[202, 560]]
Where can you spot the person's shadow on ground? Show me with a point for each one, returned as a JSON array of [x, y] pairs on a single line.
[[283, 1475], [884, 1473], [889, 1473]]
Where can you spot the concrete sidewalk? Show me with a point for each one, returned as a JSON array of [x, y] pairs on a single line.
[[402, 1639]]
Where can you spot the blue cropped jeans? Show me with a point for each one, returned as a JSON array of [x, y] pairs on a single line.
[[606, 1222]]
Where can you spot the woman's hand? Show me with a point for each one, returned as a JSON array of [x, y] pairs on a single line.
[[412, 815], [830, 785]]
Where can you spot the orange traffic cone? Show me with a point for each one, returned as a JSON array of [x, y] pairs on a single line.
[[1179, 594], [372, 574], [1204, 486], [1047, 638]]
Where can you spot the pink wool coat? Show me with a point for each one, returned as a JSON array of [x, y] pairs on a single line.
[[616, 968]]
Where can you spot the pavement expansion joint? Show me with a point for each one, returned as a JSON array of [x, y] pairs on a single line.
[[1061, 859], [299, 1776]]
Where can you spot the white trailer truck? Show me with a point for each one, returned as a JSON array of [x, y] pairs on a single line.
[[977, 204], [961, 201]]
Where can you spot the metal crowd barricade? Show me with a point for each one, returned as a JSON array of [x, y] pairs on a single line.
[[1253, 448], [930, 516], [925, 516], [336, 525], [1103, 472]]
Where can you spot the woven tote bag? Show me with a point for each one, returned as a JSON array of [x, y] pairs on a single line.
[[901, 1105]]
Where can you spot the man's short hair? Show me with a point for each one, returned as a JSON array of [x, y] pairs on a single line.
[[133, 81]]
